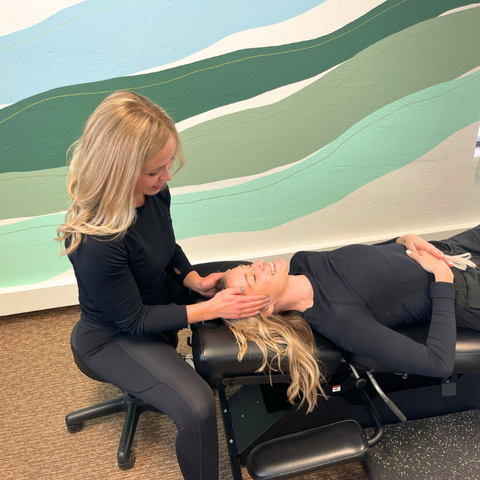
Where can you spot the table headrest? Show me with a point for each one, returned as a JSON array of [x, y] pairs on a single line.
[[215, 353]]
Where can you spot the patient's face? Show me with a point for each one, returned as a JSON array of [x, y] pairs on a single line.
[[260, 277]]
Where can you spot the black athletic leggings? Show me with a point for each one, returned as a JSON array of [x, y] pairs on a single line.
[[149, 367]]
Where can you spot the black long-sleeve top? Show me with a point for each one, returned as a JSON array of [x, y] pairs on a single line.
[[362, 292], [120, 281]]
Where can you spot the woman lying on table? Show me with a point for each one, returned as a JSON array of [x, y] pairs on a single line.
[[356, 296]]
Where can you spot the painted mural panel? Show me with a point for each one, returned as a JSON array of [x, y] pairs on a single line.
[[279, 122]]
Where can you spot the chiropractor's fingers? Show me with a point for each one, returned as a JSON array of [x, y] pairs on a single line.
[[209, 283], [234, 304], [257, 301]]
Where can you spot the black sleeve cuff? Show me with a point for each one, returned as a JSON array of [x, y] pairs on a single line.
[[442, 289]]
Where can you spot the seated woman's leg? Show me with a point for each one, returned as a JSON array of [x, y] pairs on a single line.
[[151, 369]]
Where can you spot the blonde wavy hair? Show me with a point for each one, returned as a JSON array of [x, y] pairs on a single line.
[[288, 336], [125, 131]]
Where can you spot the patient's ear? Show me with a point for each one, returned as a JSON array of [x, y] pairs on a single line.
[[268, 310]]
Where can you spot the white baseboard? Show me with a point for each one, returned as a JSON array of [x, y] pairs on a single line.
[[42, 296], [62, 292]]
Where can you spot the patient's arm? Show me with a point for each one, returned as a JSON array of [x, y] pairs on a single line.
[[358, 332], [436, 358]]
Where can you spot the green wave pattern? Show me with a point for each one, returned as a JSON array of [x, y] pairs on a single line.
[[386, 140], [261, 139], [401, 132], [257, 140], [37, 131], [46, 193], [32, 256]]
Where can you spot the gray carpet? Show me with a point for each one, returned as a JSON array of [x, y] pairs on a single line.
[[437, 448]]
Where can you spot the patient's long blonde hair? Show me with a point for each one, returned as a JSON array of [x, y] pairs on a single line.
[[289, 337], [125, 131]]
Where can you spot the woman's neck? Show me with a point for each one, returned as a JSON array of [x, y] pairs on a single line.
[[298, 295], [139, 200]]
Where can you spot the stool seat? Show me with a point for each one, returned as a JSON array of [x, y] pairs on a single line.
[[307, 452]]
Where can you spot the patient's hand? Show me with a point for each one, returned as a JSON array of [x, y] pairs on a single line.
[[434, 265], [417, 244]]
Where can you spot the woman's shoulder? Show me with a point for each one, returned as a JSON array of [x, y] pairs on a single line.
[[300, 257], [100, 245], [99, 256], [306, 261], [297, 261]]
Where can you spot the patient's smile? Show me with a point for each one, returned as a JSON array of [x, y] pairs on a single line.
[[272, 268]]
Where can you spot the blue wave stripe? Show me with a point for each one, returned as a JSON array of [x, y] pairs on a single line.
[[100, 39]]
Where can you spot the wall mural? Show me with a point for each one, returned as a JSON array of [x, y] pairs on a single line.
[[283, 112]]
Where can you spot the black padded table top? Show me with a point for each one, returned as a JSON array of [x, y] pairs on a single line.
[[215, 353]]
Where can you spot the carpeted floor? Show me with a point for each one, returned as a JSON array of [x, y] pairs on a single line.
[[40, 384]]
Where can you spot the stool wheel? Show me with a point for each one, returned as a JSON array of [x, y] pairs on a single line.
[[76, 427], [129, 463]]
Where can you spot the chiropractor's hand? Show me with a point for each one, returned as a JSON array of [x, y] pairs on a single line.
[[228, 303], [203, 285], [417, 245], [232, 303]]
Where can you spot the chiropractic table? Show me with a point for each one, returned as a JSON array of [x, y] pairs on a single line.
[[278, 440]]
